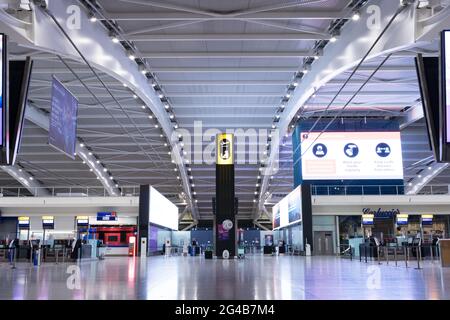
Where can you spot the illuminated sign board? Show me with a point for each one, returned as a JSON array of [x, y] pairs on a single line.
[[107, 216], [82, 221], [24, 222], [427, 219], [367, 219], [288, 211], [402, 219], [351, 155], [3, 86], [224, 148], [48, 222], [445, 63], [162, 211]]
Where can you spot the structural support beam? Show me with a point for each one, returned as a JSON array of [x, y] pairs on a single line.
[[187, 16], [27, 180], [41, 119], [224, 54], [291, 69], [412, 115], [427, 176], [298, 36]]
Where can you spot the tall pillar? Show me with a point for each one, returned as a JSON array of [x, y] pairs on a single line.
[[144, 209], [307, 223], [225, 223]]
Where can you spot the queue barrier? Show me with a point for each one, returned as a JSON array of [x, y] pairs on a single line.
[[392, 253]]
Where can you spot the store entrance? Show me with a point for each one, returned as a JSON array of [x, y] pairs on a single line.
[[384, 228]]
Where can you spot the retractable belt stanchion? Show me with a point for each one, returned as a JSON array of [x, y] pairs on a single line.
[[406, 256], [418, 256], [386, 252], [395, 254], [431, 253], [12, 257], [378, 255]]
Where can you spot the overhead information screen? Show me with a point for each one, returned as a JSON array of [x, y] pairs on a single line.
[[2, 83], [351, 155], [63, 119], [446, 80], [288, 211]]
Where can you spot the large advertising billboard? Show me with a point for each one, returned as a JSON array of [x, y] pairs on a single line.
[[63, 119], [351, 155], [162, 212], [288, 211]]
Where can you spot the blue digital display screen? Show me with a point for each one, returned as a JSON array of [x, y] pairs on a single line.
[[63, 119], [2, 83]]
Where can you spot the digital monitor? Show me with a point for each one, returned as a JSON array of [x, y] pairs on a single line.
[[162, 211], [351, 155], [444, 124], [19, 81], [3, 91], [402, 219], [367, 219], [63, 119], [428, 75], [288, 211]]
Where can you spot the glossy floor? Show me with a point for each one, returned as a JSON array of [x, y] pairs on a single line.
[[256, 277]]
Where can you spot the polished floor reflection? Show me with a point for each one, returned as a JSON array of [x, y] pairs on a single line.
[[256, 277]]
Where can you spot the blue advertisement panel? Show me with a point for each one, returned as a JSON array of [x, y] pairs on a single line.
[[63, 119]]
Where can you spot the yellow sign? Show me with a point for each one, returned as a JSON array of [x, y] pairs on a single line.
[[24, 218], [82, 218], [402, 216], [224, 148], [427, 216], [367, 216], [48, 218]]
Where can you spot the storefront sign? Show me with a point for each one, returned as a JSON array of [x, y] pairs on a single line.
[[107, 216], [381, 214]]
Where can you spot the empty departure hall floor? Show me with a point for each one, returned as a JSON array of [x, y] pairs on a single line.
[[256, 277]]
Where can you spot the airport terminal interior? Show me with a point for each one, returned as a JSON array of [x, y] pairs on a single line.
[[236, 150]]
